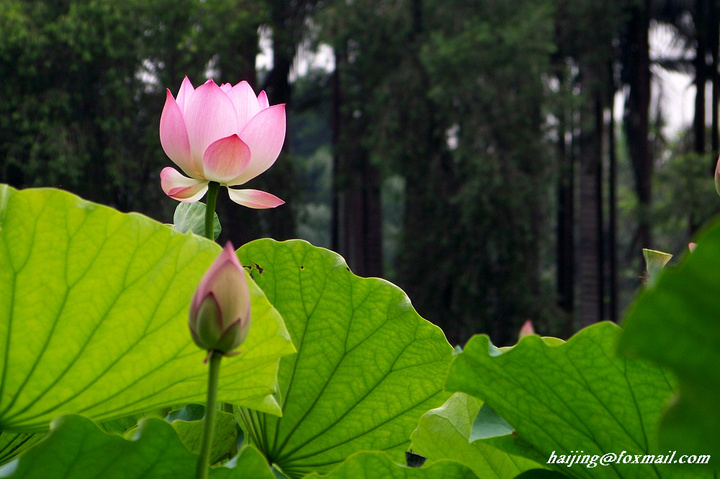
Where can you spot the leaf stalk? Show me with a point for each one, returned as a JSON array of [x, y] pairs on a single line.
[[203, 465]]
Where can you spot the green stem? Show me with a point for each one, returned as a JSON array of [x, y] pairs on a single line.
[[213, 189], [203, 465]]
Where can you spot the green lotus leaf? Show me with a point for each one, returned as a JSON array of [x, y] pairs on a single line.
[[368, 366], [575, 398], [13, 443], [191, 217], [93, 316], [375, 465], [444, 434], [188, 423], [541, 474], [675, 324], [76, 448], [128, 424], [489, 424]]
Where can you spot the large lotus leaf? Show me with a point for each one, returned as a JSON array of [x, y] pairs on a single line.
[[444, 434], [13, 443], [93, 315], [76, 448], [368, 367], [577, 396], [376, 465], [676, 323]]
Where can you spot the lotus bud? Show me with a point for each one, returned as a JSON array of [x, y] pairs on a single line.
[[717, 177], [219, 317], [526, 329], [655, 261]]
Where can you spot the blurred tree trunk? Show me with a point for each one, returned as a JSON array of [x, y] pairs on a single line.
[[359, 209], [714, 45], [637, 116], [337, 99], [361, 218], [612, 220], [289, 21], [357, 212], [589, 31], [590, 221], [426, 220], [701, 50], [566, 216], [280, 222], [700, 17]]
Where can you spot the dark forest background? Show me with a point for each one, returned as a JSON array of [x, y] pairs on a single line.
[[470, 151]]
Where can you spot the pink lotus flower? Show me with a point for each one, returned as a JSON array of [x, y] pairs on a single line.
[[220, 133], [219, 318]]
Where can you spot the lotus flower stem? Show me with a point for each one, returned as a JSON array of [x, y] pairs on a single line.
[[213, 188], [203, 465]]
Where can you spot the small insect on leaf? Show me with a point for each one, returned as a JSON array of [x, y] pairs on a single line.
[[414, 460]]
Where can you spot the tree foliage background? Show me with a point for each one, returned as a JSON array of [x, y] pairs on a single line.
[[465, 149]]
